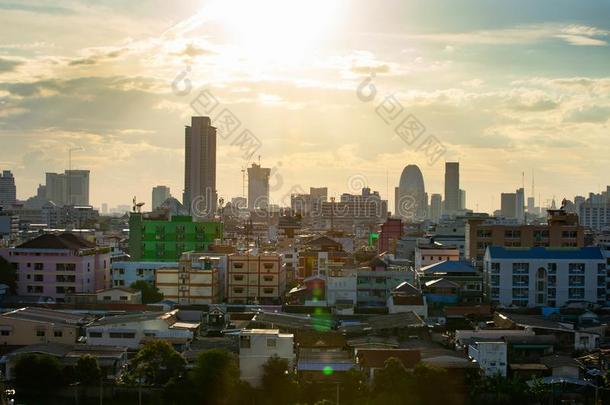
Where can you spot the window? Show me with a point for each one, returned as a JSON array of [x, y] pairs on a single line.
[[576, 268], [239, 277], [271, 342], [122, 335], [38, 277], [123, 298], [238, 290], [484, 233], [107, 298], [38, 266], [40, 333], [576, 293], [521, 268], [552, 268], [95, 334], [65, 267], [5, 333], [268, 278], [569, 234], [58, 333], [268, 290], [238, 265], [512, 233], [495, 267], [268, 266], [244, 342]]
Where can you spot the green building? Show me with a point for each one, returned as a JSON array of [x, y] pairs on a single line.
[[166, 239]]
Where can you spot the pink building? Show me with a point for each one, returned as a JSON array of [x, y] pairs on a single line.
[[53, 265], [391, 231]]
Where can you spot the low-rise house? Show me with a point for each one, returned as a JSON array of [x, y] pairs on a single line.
[[257, 346], [33, 325], [405, 298], [133, 330], [111, 359], [491, 356], [119, 295], [563, 366], [323, 364], [568, 335], [468, 279]]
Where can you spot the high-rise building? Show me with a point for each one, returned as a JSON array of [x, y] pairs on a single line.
[[452, 187], [77, 187], [508, 205], [462, 200], [8, 191], [159, 195], [318, 193], [410, 199], [594, 212], [104, 208], [68, 188], [520, 205], [200, 168], [531, 205], [258, 187], [436, 203]]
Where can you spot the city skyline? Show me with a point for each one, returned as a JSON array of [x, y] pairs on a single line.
[[120, 92]]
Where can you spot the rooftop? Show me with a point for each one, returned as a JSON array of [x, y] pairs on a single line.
[[583, 253], [57, 241], [36, 314], [448, 267]]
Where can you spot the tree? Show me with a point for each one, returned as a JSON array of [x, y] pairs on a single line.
[[391, 383], [88, 371], [278, 381], [157, 362], [216, 376], [499, 390], [38, 374], [353, 387], [8, 275], [150, 293]]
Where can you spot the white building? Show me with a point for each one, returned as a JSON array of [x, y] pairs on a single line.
[[257, 346], [541, 276], [342, 291], [491, 356], [133, 330], [159, 195]]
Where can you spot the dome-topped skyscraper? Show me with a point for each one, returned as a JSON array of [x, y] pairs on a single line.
[[411, 201]]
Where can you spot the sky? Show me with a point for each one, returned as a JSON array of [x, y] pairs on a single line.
[[325, 87]]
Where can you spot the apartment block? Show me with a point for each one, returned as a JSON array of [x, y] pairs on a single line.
[[562, 230], [541, 276], [196, 279], [53, 265], [255, 278]]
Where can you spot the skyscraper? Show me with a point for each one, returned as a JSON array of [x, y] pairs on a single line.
[[8, 190], [508, 205], [410, 200], [68, 188], [258, 187], [159, 195], [520, 204], [77, 187], [200, 167], [436, 202], [452, 187], [462, 199]]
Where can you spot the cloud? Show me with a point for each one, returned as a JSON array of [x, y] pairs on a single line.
[[580, 35], [31, 8], [591, 114], [8, 65], [97, 56]]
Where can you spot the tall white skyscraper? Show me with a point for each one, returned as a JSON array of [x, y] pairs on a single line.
[[200, 196], [159, 195], [258, 187]]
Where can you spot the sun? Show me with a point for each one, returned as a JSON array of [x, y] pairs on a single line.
[[275, 31]]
